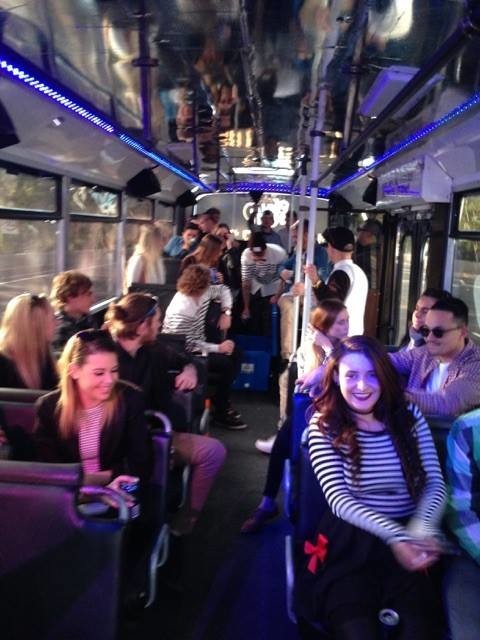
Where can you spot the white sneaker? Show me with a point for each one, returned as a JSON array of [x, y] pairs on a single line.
[[265, 446]]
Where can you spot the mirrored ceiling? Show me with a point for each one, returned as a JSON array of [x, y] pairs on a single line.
[[228, 87]]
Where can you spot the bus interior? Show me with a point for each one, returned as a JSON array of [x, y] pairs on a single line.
[[117, 113]]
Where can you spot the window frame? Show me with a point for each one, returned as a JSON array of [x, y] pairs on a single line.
[[36, 214]]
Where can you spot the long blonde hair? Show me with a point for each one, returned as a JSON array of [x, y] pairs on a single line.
[[24, 336], [78, 348], [150, 246]]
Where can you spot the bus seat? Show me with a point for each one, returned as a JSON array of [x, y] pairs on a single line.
[[440, 428], [164, 292], [17, 415], [310, 504], [302, 403], [161, 436], [18, 406], [60, 571]]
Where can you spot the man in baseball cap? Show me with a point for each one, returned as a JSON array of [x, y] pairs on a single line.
[[340, 238], [346, 282]]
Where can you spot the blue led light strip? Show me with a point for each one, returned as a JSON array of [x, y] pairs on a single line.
[[159, 159], [18, 69], [46, 89], [422, 133], [266, 187]]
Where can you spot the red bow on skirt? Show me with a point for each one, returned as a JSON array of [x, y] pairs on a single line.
[[317, 552]]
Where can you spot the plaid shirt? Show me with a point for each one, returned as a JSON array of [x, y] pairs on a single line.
[[459, 393], [463, 478]]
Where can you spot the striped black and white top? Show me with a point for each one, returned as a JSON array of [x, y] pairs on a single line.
[[185, 315], [379, 494], [89, 423], [264, 274]]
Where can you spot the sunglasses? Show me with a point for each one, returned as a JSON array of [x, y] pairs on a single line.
[[90, 335], [438, 332]]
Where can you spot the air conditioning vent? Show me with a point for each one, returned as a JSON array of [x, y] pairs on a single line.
[[387, 85]]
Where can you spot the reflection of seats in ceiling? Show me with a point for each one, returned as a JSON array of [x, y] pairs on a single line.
[[387, 85]]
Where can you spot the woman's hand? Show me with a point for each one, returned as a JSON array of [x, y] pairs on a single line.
[[115, 485], [226, 347], [298, 289], [311, 272], [186, 379], [415, 556], [219, 278], [311, 379], [323, 341]]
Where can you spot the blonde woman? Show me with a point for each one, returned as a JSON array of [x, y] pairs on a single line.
[[26, 333], [94, 418], [146, 263]]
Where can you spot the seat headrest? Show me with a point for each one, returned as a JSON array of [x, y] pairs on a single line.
[[21, 395], [64, 475]]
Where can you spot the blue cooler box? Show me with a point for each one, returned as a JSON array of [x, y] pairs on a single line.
[[254, 371]]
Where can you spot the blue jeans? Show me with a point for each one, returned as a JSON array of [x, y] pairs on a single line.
[[461, 593]]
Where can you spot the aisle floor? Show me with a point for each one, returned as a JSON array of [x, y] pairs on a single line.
[[234, 585]]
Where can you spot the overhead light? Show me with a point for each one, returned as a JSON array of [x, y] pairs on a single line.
[[261, 171], [58, 121]]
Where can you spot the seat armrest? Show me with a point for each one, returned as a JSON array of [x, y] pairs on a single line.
[[160, 417], [114, 496]]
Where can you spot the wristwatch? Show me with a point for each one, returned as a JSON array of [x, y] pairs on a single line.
[[227, 312]]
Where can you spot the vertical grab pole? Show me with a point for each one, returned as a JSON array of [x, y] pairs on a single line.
[[299, 252], [316, 134]]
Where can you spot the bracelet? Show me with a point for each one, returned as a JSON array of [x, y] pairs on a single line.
[[317, 284]]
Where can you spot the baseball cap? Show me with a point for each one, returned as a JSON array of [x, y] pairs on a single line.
[[340, 238], [257, 242], [372, 226]]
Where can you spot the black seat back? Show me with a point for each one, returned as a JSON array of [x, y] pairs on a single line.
[[310, 500], [17, 409], [164, 292], [59, 572], [440, 428]]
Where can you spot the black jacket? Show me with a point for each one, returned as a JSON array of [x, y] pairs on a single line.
[[9, 376], [124, 443]]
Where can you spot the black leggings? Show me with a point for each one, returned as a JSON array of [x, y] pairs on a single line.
[[280, 452], [226, 369]]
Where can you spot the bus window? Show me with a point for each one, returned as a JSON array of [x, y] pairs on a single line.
[[93, 201], [92, 250], [27, 192], [404, 259], [27, 246], [139, 209], [466, 280], [27, 257]]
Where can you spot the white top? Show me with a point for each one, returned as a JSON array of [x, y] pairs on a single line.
[[357, 295], [264, 274], [437, 377], [307, 356], [139, 271]]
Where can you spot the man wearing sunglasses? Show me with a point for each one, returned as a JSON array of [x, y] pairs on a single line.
[[444, 375]]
